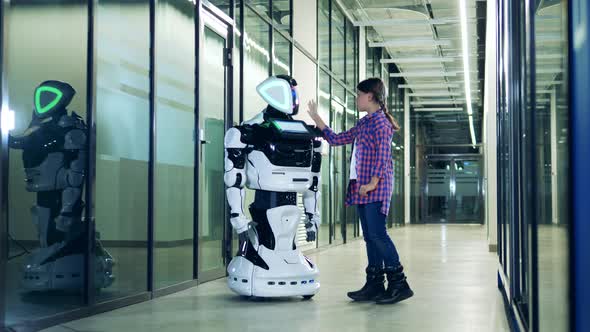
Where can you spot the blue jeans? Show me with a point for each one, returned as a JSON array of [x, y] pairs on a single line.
[[380, 248]]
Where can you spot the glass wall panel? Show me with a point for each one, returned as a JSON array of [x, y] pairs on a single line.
[[351, 213], [324, 110], [281, 14], [224, 5], [237, 54], [256, 61], [338, 174], [370, 61], [282, 55], [338, 92], [338, 26], [417, 165], [256, 69], [46, 40], [262, 6], [122, 140], [351, 51], [324, 32], [396, 108], [438, 190], [175, 132], [396, 212], [212, 107], [552, 154]]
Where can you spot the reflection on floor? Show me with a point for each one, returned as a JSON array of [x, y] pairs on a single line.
[[449, 268], [172, 265], [553, 278]]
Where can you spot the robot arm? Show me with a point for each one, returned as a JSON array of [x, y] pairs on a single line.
[[311, 197], [75, 141], [235, 178]]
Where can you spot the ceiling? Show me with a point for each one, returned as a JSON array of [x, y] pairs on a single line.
[[423, 39]]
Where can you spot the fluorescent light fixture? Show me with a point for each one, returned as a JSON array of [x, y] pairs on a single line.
[[434, 94], [410, 42], [7, 119], [428, 85], [472, 131], [424, 74], [467, 79], [437, 102], [419, 60], [396, 22], [439, 109]]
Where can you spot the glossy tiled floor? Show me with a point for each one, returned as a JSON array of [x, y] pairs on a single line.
[[449, 268]]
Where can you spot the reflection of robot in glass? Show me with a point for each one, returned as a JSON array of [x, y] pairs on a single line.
[[54, 157], [278, 157]]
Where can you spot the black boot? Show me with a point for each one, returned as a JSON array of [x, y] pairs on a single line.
[[397, 286], [372, 288]]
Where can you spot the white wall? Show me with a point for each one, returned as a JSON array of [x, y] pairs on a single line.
[[362, 54], [304, 24], [305, 72], [304, 69]]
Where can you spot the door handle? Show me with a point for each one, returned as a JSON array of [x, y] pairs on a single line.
[[202, 137]]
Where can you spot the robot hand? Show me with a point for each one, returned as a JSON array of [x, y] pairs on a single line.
[[240, 223], [311, 230], [311, 227], [63, 222]]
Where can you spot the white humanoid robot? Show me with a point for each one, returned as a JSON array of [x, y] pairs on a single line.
[[277, 157], [54, 158]]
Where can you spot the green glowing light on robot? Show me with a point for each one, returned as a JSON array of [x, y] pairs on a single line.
[[44, 109]]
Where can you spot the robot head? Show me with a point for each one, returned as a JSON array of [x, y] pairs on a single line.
[[52, 97], [280, 92]]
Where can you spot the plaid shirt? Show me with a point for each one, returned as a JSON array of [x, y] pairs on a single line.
[[373, 135]]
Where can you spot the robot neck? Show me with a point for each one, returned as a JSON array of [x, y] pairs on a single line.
[[272, 113], [55, 117]]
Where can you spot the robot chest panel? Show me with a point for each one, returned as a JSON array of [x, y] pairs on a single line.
[[40, 144], [292, 153]]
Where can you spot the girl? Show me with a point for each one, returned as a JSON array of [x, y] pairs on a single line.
[[370, 188]]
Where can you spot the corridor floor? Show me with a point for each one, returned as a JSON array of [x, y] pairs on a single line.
[[449, 268]]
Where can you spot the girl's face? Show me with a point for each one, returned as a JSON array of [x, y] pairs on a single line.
[[363, 100]]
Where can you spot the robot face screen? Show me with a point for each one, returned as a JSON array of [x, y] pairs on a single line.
[[278, 94], [291, 127], [46, 98]]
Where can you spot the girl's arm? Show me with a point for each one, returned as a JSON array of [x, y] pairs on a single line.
[[346, 137], [383, 149]]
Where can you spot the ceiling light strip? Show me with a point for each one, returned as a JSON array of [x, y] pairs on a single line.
[[463, 15]]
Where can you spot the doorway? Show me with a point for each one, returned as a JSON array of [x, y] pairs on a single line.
[[452, 189], [214, 106]]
